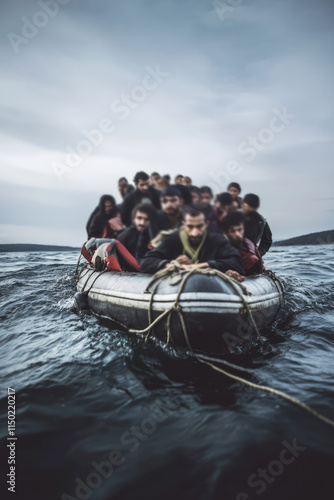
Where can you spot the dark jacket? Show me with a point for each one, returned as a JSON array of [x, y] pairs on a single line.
[[98, 219], [129, 239], [133, 199], [258, 231], [160, 222], [217, 251]]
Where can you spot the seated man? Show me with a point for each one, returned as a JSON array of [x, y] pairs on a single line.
[[193, 247], [144, 193], [234, 228], [170, 217], [256, 227], [141, 217]]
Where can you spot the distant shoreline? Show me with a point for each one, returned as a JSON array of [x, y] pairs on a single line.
[[30, 247], [321, 238]]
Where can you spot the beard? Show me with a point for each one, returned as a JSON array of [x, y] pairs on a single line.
[[195, 240]]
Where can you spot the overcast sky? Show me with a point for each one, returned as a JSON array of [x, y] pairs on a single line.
[[221, 91]]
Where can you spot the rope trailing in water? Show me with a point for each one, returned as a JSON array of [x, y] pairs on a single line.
[[271, 391], [184, 275]]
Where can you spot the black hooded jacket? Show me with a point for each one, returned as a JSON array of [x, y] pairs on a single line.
[[258, 231], [217, 251], [99, 219]]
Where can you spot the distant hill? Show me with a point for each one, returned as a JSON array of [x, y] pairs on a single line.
[[28, 247], [322, 238]]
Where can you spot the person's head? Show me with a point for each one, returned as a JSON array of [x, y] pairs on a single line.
[[234, 189], [178, 179], [195, 195], [142, 215], [206, 196], [162, 183], [171, 201], [167, 178], [107, 204], [123, 186], [154, 179], [224, 202], [187, 181], [141, 180], [233, 226], [195, 224], [250, 203]]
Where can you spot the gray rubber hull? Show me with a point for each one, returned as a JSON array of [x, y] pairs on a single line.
[[214, 314]]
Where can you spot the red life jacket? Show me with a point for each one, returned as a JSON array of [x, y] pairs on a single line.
[[110, 255], [113, 227], [252, 260]]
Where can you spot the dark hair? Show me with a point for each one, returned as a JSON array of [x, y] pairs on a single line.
[[123, 179], [234, 185], [192, 211], [167, 177], [224, 199], [232, 219], [177, 177], [195, 189], [155, 173], [171, 191], [252, 200], [140, 176], [206, 189], [103, 199], [145, 208]]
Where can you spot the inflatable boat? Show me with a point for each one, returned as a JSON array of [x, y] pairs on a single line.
[[209, 314]]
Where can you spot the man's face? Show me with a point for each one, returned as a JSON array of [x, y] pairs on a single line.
[[178, 179], [186, 181], [141, 220], [143, 186], [234, 192], [195, 227], [122, 187], [247, 208], [170, 205], [236, 234], [205, 199], [195, 197], [108, 206], [155, 180]]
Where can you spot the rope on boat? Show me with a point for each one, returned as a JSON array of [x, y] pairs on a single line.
[[183, 276]]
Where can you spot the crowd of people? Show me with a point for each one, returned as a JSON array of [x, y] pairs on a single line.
[[159, 222]]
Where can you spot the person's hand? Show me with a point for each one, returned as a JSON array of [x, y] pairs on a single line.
[[203, 265], [234, 275], [183, 260]]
